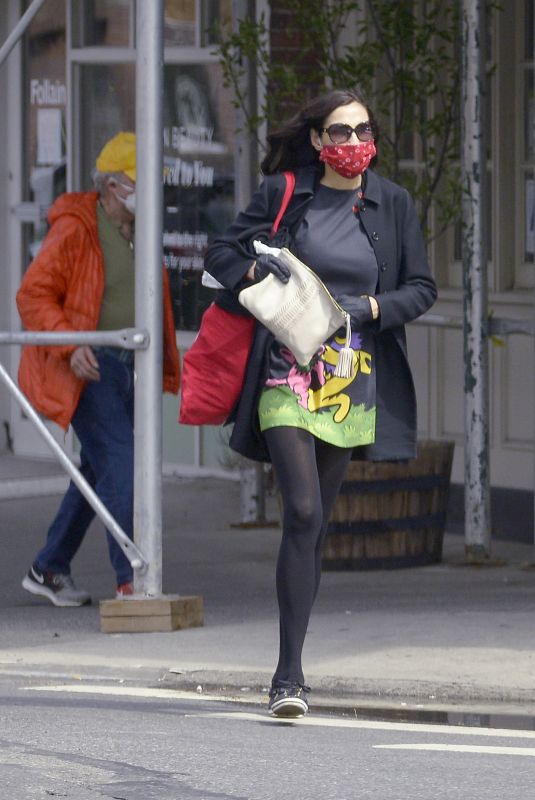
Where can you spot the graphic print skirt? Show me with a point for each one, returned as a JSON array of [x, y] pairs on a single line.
[[340, 411]]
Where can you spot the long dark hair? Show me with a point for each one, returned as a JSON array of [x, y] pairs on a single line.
[[290, 147]]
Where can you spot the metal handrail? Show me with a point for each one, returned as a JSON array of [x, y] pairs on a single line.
[[498, 326], [19, 29], [127, 338], [131, 551]]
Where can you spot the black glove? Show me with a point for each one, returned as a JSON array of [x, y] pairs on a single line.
[[268, 263], [358, 308]]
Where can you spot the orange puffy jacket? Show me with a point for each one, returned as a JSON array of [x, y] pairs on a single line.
[[62, 291]]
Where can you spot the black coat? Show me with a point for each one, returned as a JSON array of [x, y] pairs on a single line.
[[405, 290]]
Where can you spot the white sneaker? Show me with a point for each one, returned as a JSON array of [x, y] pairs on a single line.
[[59, 589]]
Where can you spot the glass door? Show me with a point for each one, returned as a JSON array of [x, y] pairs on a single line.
[[43, 171], [78, 90], [198, 128]]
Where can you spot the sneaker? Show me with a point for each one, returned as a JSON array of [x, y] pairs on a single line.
[[288, 700], [59, 589], [124, 590]]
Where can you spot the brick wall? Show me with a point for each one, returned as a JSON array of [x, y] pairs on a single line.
[[287, 47]]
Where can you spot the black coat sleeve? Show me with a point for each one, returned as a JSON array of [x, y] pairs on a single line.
[[415, 290], [231, 255]]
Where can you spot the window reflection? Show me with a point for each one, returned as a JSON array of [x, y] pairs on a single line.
[[110, 23], [103, 23], [179, 23], [214, 15], [198, 179], [182, 26], [45, 141], [109, 107]]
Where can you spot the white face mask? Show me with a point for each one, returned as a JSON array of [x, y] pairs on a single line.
[[129, 202]]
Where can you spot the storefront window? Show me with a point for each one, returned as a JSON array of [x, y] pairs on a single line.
[[107, 107], [45, 140], [198, 180], [103, 23], [215, 15], [179, 23], [198, 138], [184, 28]]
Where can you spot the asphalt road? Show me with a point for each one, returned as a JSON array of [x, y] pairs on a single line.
[[87, 741]]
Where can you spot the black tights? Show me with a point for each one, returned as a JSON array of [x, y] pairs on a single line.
[[309, 474]]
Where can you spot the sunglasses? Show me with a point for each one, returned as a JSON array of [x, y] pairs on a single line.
[[339, 132]]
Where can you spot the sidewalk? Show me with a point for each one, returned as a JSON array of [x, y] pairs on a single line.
[[440, 636]]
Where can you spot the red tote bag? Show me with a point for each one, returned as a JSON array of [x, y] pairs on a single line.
[[213, 369]]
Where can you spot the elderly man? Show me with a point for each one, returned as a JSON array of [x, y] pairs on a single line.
[[83, 279]]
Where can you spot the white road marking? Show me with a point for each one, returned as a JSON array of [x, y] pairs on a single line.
[[461, 748], [406, 727], [135, 691], [316, 721]]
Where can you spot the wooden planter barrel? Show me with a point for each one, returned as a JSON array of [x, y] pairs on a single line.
[[391, 515]]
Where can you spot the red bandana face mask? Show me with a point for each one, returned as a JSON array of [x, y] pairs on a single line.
[[348, 160]]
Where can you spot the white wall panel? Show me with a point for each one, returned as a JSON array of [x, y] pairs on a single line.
[[420, 360], [516, 393], [450, 411]]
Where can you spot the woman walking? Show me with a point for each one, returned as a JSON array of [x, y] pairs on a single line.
[[360, 233]]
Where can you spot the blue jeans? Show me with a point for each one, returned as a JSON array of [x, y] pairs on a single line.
[[104, 424]]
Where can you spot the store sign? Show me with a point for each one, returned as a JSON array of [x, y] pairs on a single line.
[[188, 173], [47, 93], [185, 251], [198, 183], [49, 149]]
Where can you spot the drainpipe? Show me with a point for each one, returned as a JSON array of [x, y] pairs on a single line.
[[474, 250]]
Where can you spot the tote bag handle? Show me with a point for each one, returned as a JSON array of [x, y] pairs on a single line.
[[289, 177]]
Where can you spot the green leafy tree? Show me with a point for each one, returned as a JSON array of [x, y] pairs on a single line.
[[405, 60]]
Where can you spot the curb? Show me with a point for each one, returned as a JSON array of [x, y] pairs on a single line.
[[334, 693], [374, 700]]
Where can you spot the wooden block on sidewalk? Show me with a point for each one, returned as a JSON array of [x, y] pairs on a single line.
[[151, 614]]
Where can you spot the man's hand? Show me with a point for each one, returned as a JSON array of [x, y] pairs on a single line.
[[84, 364], [266, 264]]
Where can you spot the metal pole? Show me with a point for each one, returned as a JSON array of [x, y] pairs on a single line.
[[149, 259], [532, 132], [128, 547], [19, 29], [474, 248]]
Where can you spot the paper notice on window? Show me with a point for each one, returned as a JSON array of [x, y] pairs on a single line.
[[530, 217], [49, 135]]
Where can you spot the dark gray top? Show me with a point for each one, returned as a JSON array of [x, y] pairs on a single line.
[[332, 241]]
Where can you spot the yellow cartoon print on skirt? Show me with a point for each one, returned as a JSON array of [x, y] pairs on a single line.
[[340, 411]]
